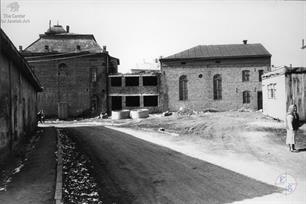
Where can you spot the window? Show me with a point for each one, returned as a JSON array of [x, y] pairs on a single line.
[[245, 75], [150, 101], [93, 74], [132, 101], [271, 91], [116, 81], [246, 97], [78, 47], [149, 80], [131, 81], [217, 86], [183, 91], [260, 73], [62, 69]]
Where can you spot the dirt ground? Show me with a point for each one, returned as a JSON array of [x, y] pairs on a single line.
[[245, 142]]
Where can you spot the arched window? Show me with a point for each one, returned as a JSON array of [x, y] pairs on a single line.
[[217, 87], [183, 90], [246, 97], [62, 69]]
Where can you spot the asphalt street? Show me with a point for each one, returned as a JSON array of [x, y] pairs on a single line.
[[131, 170]]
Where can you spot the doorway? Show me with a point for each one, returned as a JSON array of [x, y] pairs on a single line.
[[259, 100]]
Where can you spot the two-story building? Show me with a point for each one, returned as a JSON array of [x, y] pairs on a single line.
[[73, 70], [219, 77]]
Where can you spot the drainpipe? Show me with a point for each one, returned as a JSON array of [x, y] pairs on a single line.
[[107, 85]]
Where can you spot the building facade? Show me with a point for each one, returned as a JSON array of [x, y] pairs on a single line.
[[218, 77], [73, 71], [283, 87], [135, 91], [18, 94]]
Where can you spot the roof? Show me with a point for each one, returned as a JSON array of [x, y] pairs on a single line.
[[285, 70], [221, 51], [57, 40], [9, 49]]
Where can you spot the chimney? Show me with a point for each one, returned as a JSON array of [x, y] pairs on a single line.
[[245, 42], [104, 49], [20, 48], [49, 23], [67, 28]]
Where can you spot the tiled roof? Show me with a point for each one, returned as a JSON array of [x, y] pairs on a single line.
[[64, 43], [221, 51]]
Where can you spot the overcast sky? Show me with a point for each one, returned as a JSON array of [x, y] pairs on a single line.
[[135, 30]]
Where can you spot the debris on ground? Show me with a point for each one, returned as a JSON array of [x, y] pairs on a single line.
[[167, 113], [79, 186]]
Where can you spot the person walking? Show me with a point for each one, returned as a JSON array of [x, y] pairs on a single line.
[[292, 125]]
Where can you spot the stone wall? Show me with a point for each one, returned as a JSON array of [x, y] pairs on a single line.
[[73, 85], [18, 106]]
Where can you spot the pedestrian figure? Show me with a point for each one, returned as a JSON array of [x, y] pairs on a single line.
[[41, 116], [292, 125]]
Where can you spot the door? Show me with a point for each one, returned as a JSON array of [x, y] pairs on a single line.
[[259, 100]]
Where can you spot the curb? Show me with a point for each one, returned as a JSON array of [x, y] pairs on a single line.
[[59, 172]]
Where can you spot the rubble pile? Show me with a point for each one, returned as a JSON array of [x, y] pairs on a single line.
[[79, 186]]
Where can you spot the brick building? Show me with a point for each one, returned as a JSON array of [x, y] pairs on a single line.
[[73, 71], [140, 89], [220, 77], [283, 87], [18, 93]]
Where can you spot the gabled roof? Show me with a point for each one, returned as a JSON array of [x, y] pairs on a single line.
[[221, 51], [12, 53]]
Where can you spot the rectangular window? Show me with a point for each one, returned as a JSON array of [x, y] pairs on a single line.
[[132, 101], [131, 81], [149, 80], [260, 73], [245, 75], [246, 97], [116, 81], [93, 73], [271, 91], [150, 101]]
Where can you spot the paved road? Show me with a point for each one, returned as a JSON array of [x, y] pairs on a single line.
[[131, 170]]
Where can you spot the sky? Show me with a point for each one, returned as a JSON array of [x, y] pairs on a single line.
[[138, 31]]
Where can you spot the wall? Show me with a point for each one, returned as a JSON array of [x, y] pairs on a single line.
[[275, 107], [72, 85], [296, 92], [17, 106], [200, 90], [139, 90]]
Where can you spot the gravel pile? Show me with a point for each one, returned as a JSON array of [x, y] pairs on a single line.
[[79, 185]]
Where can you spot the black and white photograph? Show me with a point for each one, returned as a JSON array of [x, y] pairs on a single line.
[[152, 101]]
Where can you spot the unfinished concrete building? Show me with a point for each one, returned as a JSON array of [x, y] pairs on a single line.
[[18, 94], [283, 87], [218, 77], [136, 90], [73, 70]]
